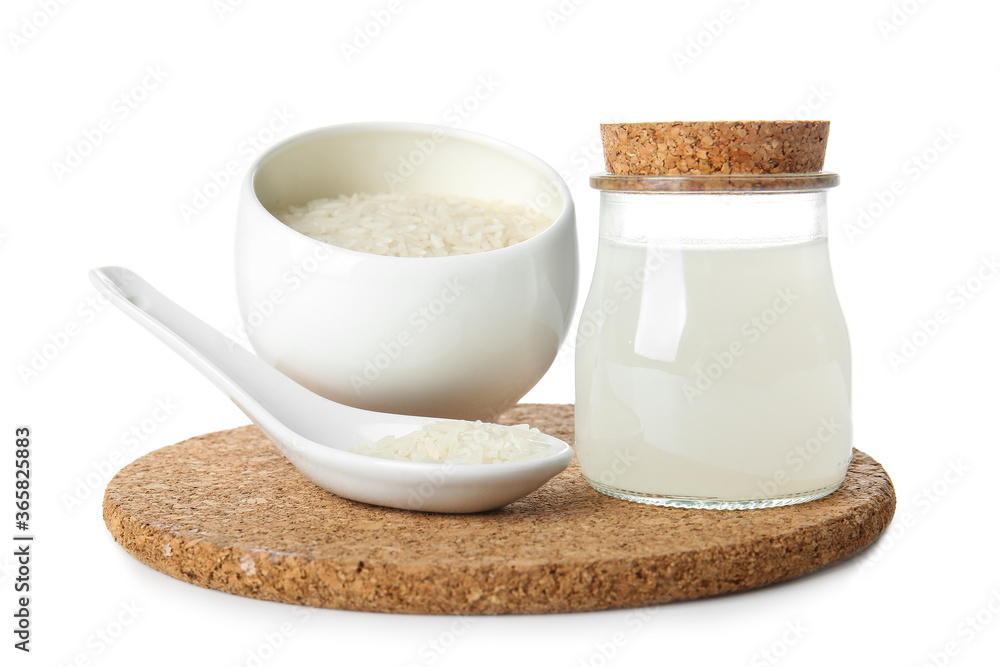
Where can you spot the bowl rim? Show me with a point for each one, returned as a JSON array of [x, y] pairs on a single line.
[[566, 214]]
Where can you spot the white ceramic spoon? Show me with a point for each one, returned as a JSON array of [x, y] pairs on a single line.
[[316, 434]]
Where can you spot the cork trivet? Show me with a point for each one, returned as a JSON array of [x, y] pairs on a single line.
[[227, 511], [715, 147]]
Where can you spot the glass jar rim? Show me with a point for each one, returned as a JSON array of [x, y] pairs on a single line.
[[715, 182]]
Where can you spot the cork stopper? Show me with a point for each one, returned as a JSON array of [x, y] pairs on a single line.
[[715, 147]]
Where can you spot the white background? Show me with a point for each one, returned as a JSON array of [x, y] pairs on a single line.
[[890, 91]]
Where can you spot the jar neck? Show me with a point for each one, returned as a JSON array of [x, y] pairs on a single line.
[[714, 218]]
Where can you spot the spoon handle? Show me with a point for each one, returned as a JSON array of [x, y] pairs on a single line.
[[263, 393]]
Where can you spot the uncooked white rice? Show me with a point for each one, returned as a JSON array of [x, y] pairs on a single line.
[[462, 442], [410, 224]]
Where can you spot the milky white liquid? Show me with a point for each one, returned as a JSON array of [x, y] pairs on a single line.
[[718, 374]]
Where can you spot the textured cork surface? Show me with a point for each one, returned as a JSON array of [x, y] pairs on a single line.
[[227, 511], [715, 147]]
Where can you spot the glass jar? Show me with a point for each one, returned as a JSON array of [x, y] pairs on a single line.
[[712, 359]]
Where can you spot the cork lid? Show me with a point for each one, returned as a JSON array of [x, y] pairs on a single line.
[[715, 147]]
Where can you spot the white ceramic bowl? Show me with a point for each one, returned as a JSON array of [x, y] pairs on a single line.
[[463, 336]]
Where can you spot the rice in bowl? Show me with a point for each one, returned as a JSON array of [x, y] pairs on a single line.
[[412, 224]]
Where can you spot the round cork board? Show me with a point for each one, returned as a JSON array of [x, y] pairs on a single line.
[[227, 511]]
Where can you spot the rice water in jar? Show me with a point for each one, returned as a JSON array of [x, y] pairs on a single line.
[[713, 365]]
